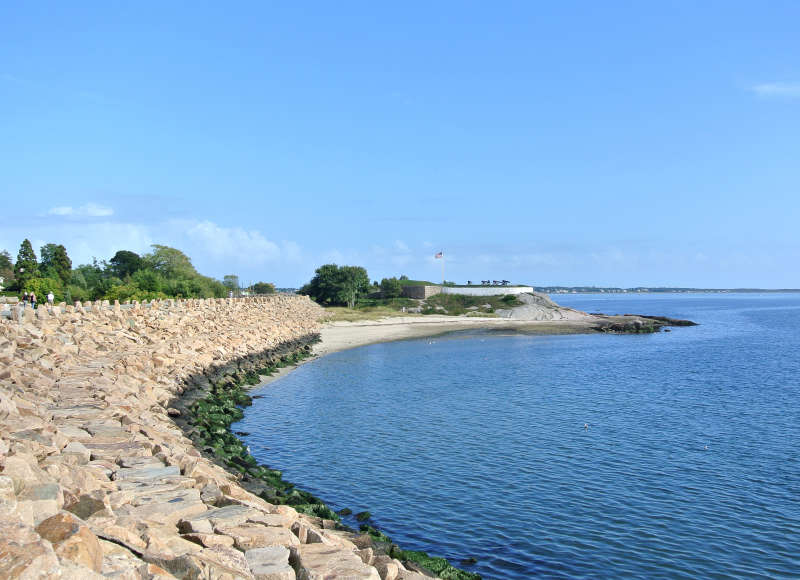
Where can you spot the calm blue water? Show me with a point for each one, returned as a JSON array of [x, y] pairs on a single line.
[[474, 445]]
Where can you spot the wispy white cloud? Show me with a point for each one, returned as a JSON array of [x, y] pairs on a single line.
[[234, 243], [87, 210], [780, 89], [215, 249]]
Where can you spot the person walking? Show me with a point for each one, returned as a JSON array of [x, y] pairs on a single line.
[[33, 300], [24, 300], [50, 298]]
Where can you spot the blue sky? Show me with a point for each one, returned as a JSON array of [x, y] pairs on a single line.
[[621, 143]]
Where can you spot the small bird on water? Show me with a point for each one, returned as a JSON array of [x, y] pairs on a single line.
[[586, 426]]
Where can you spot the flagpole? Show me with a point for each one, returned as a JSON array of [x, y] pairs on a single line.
[[442, 268]]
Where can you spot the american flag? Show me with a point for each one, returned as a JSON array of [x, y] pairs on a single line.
[[439, 255]]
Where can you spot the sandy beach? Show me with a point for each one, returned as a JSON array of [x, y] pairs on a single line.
[[338, 336]]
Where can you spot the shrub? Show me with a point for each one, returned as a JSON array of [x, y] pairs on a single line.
[[391, 288]]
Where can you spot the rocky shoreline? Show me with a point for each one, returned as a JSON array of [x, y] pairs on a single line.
[[97, 480], [116, 458]]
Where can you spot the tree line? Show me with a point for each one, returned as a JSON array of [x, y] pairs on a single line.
[[163, 272], [334, 285]]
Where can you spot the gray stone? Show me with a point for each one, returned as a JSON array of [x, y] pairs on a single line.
[[166, 511], [146, 473], [209, 540], [8, 498], [88, 504], [386, 567], [38, 502], [270, 563], [195, 525], [78, 450], [321, 561], [247, 536]]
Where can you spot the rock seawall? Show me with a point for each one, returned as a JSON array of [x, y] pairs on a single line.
[[97, 480]]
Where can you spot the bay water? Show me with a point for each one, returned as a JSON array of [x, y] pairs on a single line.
[[670, 455]]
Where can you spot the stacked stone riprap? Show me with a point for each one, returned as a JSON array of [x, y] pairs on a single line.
[[96, 480]]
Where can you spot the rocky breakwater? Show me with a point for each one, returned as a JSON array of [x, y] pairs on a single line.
[[97, 480], [540, 307]]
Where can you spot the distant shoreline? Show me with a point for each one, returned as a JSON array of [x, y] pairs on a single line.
[[592, 290]]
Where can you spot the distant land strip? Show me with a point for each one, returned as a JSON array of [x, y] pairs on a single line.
[[643, 290]]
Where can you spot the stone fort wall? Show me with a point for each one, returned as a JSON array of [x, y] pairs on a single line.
[[97, 480]]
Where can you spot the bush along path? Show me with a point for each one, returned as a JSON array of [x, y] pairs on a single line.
[[208, 422]]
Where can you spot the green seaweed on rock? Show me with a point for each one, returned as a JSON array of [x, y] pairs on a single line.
[[439, 566], [375, 534], [363, 516]]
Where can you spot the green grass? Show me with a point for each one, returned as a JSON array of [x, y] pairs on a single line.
[[395, 303], [370, 309], [342, 314], [457, 304]]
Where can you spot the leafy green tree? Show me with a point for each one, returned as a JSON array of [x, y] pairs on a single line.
[[391, 288], [6, 268], [55, 261], [26, 267], [41, 286], [322, 287], [148, 280], [165, 272], [125, 263], [263, 288], [88, 275], [353, 282], [333, 284], [170, 262]]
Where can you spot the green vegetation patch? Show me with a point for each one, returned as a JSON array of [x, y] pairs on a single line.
[[212, 417], [439, 566], [162, 273], [457, 304]]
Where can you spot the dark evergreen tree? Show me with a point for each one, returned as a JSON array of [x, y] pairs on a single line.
[[56, 261], [6, 268], [125, 263], [26, 267]]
